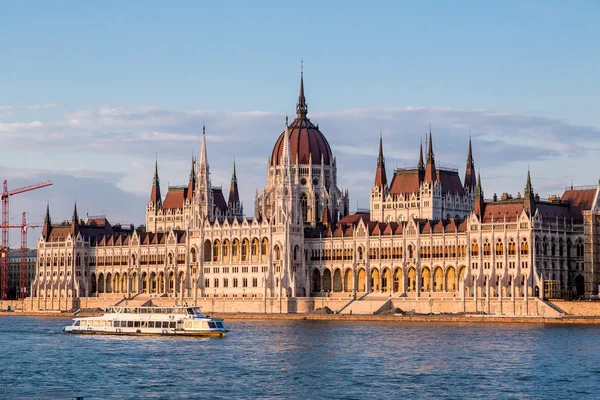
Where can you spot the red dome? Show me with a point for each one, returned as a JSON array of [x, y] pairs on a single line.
[[305, 141]]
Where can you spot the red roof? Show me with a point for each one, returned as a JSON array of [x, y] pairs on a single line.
[[175, 198], [580, 200], [306, 141], [501, 210]]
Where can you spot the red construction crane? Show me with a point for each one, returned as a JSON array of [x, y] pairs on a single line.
[[22, 293], [5, 225]]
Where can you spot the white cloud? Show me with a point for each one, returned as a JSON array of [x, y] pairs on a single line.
[[116, 145]]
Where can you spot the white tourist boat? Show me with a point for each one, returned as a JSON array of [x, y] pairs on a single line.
[[173, 321]]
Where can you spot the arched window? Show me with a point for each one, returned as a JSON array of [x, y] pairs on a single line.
[[487, 248], [512, 247], [410, 251], [524, 247], [207, 250], [474, 248], [236, 248], [360, 253], [552, 247], [304, 206], [277, 253], [264, 246], [499, 248], [245, 248]]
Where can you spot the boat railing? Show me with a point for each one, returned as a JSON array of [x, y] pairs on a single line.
[[152, 310]]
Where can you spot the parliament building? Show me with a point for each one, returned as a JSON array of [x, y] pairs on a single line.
[[427, 234]]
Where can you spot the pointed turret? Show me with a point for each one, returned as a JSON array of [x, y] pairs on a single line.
[[470, 179], [421, 165], [74, 221], [47, 224], [430, 171], [478, 206], [529, 196], [192, 183], [155, 197], [380, 176], [234, 195], [301, 107], [326, 215]]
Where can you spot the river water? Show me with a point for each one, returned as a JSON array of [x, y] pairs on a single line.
[[308, 360]]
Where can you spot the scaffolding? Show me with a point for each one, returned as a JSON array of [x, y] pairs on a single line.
[[552, 290], [591, 252]]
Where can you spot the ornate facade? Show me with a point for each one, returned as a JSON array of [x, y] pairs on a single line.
[[427, 234]]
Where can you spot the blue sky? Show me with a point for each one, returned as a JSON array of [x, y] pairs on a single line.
[[89, 92]]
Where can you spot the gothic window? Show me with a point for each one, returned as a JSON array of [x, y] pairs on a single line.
[[236, 248], [410, 251], [512, 247], [277, 253], [304, 206], [487, 248], [474, 248], [207, 250], [552, 248], [245, 245], [524, 247], [264, 246], [193, 254], [499, 248]]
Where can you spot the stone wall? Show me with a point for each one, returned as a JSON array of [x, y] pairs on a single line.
[[579, 308]]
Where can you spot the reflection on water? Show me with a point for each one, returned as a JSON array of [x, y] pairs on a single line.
[[306, 359]]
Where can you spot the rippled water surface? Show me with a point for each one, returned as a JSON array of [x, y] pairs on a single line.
[[305, 359]]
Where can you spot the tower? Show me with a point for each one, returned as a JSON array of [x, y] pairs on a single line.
[[204, 199], [470, 179]]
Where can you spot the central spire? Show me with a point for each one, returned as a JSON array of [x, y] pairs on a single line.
[[301, 107]]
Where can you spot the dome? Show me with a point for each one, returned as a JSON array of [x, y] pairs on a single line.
[[306, 140]]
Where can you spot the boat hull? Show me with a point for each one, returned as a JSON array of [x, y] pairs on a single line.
[[216, 334]]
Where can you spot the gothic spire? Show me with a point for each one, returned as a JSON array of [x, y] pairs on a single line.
[[529, 197], [74, 221], [478, 206], [430, 171], [47, 223], [380, 176], [234, 195], [470, 179], [203, 157], [155, 197], [192, 182], [75, 217], [301, 107], [421, 165]]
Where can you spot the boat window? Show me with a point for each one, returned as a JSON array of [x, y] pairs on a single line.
[[144, 324], [116, 324], [172, 324], [204, 325], [77, 323], [130, 324], [197, 324], [219, 325], [165, 324], [187, 325], [123, 324], [150, 324], [136, 324], [211, 324], [96, 323]]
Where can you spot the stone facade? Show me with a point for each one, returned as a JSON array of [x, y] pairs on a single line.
[[427, 235]]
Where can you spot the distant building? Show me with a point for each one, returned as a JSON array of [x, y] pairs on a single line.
[[427, 234], [14, 271]]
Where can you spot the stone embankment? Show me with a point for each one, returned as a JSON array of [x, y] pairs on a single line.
[[396, 318]]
